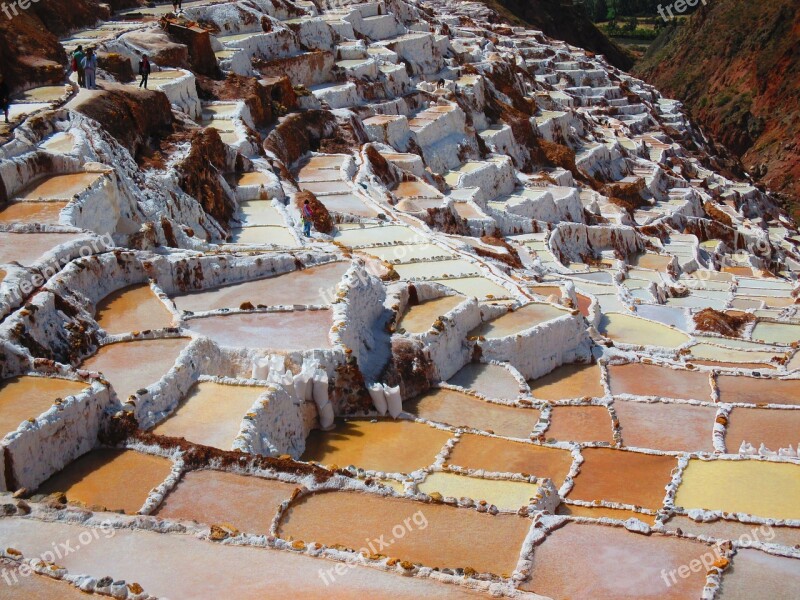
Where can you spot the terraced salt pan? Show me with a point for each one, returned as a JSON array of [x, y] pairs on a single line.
[[704, 351], [640, 379], [504, 494], [61, 142], [408, 252], [436, 269], [377, 446], [159, 557], [475, 287], [133, 308], [259, 212], [756, 487], [288, 331], [666, 426], [389, 234], [735, 530], [315, 285], [580, 424], [247, 503], [27, 397], [753, 390], [776, 333], [27, 248], [44, 213], [613, 564], [493, 381], [487, 543], [640, 332], [773, 428], [420, 317], [458, 409], [519, 320], [153, 359], [326, 187], [567, 382], [348, 204], [114, 479], [755, 574], [657, 262], [499, 455], [57, 187], [263, 235], [622, 476], [598, 512], [24, 585], [211, 414]]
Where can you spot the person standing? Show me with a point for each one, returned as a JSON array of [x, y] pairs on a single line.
[[176, 6], [77, 65], [308, 214], [5, 96], [144, 70], [90, 69]]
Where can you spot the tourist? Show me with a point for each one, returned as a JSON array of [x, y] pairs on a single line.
[[308, 213], [176, 6], [144, 70], [90, 68], [77, 65], [5, 96]]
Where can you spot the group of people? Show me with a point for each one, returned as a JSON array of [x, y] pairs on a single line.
[[85, 65]]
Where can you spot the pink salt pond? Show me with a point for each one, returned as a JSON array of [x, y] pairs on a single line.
[[580, 424], [27, 397], [289, 331], [462, 410], [24, 585], [134, 308], [754, 390], [314, 285], [487, 543], [651, 380], [666, 426], [568, 382], [28, 248], [772, 427], [205, 496], [114, 479], [597, 562], [755, 574], [493, 381]]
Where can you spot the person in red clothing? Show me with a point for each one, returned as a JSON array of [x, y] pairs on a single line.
[[308, 213], [144, 70]]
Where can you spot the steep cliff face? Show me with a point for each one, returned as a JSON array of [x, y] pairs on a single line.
[[736, 66]]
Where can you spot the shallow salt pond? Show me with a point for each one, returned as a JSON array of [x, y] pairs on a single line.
[[259, 212], [462, 410], [366, 236], [493, 381], [477, 287], [212, 497], [27, 248], [580, 424], [651, 380], [326, 187], [408, 252], [657, 262], [420, 317], [627, 329], [211, 414], [568, 382], [25, 585], [314, 285], [378, 446], [772, 427], [348, 204], [115, 479], [153, 359], [57, 187], [133, 308], [504, 494], [754, 390], [44, 213], [755, 574], [666, 426], [776, 333], [756, 487], [599, 512], [487, 543], [263, 235], [27, 397], [436, 269], [705, 351], [61, 142], [296, 330], [519, 320]]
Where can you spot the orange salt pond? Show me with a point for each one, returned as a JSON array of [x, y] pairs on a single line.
[[497, 455], [45, 213], [666, 426], [420, 317], [24, 585], [503, 493], [487, 543], [211, 414], [27, 397], [27, 248], [580, 424], [134, 308], [598, 562], [518, 321], [493, 381], [771, 427], [114, 479], [651, 380], [624, 477], [390, 446], [152, 358], [735, 530], [212, 497], [296, 330], [57, 187], [599, 512], [567, 382], [756, 487], [315, 285], [755, 574], [458, 409], [754, 390]]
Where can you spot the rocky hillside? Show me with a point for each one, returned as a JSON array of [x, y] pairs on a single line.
[[736, 66]]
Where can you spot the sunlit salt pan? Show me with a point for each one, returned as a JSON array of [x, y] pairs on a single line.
[[134, 308], [28, 397], [640, 332], [504, 494], [288, 331], [420, 318]]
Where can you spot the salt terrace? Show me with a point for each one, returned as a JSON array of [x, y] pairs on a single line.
[[483, 374]]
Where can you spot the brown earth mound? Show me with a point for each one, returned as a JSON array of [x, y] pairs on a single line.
[[321, 218], [725, 324]]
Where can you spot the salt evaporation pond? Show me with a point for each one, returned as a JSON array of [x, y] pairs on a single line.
[[43, 213], [296, 330], [569, 381], [580, 424], [420, 317], [27, 397], [134, 308], [493, 381], [504, 494], [28, 248], [627, 329], [666, 426], [651, 380], [773, 428], [776, 333], [519, 320]]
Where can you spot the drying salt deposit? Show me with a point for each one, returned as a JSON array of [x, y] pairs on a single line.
[[465, 370]]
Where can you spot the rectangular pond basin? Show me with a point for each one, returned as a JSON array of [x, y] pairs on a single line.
[[756, 487], [753, 390], [487, 543], [114, 479], [755, 574], [519, 320], [348, 204], [622, 476], [462, 410], [263, 235], [666, 426], [475, 287], [246, 502], [774, 428], [211, 414], [153, 359], [652, 380], [367, 236], [326, 187], [599, 512], [420, 317], [568, 382], [315, 285], [289, 331], [133, 308], [436, 269], [259, 212], [503, 493], [27, 248], [632, 330], [408, 252], [57, 187], [580, 424], [776, 333], [27, 397], [44, 213], [389, 446], [734, 530], [493, 381]]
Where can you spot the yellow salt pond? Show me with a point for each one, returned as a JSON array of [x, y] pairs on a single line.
[[627, 329], [27, 397], [567, 382], [503, 493], [776, 333], [756, 487], [420, 317], [134, 308]]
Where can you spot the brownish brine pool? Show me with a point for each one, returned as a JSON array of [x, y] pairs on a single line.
[[580, 424], [420, 317], [651, 380], [27, 397], [567, 382], [134, 308], [666, 426]]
